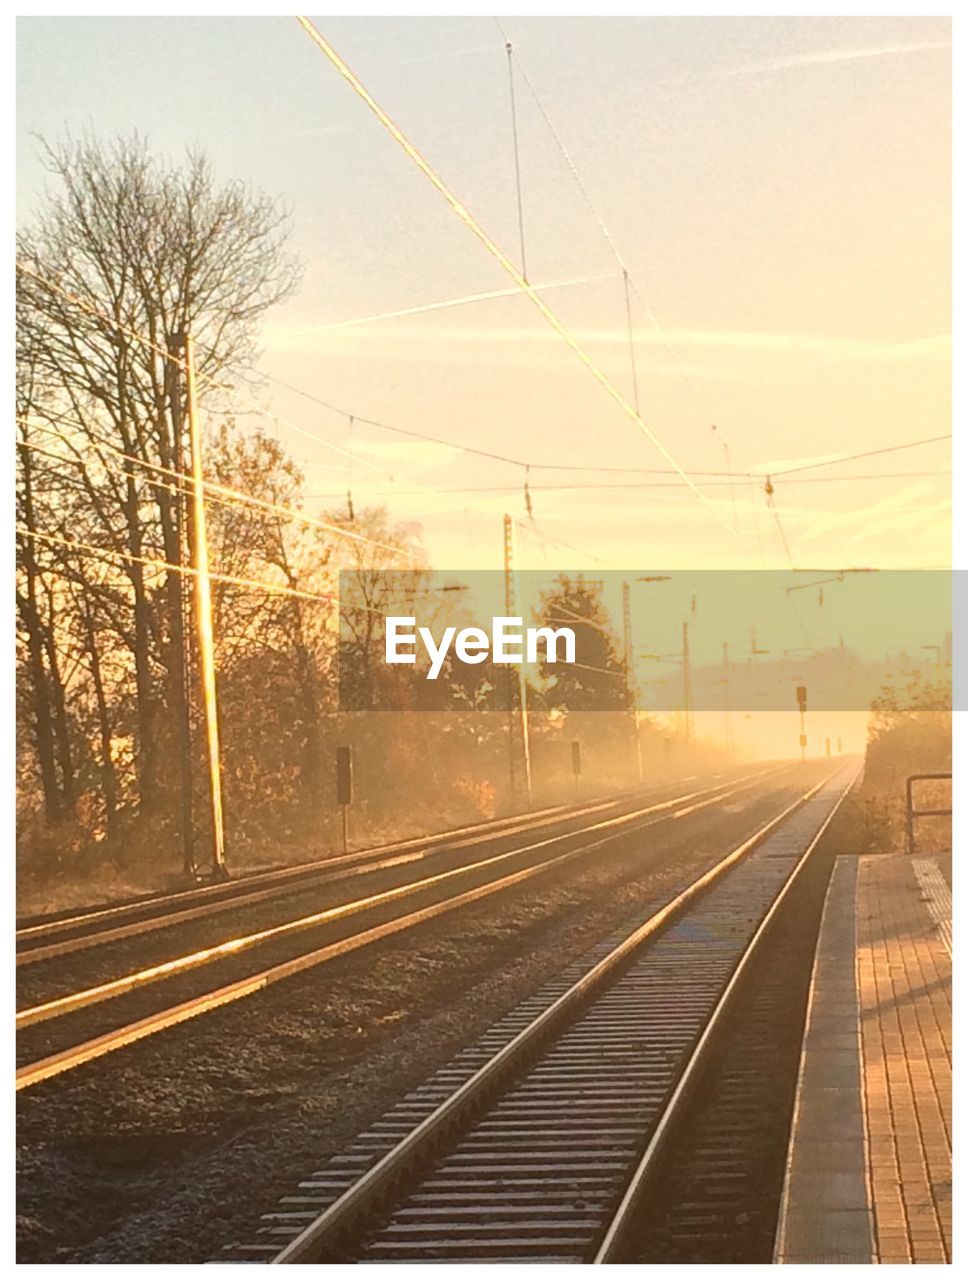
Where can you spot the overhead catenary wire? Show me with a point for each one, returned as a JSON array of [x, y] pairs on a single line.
[[572, 168], [687, 481], [168, 355], [227, 495], [543, 536], [181, 488], [100, 315], [493, 455], [535, 464], [854, 457], [729, 468], [628, 282], [109, 553], [225, 491], [219, 492], [517, 159], [634, 485], [770, 493], [771, 503], [508, 266]]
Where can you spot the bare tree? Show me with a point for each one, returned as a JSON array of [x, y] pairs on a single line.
[[127, 252]]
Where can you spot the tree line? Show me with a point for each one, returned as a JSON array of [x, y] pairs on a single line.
[[126, 254]]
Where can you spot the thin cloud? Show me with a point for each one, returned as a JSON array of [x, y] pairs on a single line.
[[891, 514], [826, 57], [438, 55], [931, 348], [442, 305], [787, 464], [317, 131], [425, 453]]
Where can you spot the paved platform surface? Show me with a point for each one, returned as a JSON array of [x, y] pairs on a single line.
[[869, 1163]]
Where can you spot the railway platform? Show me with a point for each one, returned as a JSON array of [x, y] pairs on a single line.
[[868, 1176]]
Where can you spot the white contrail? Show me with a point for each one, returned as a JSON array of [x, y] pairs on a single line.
[[824, 56], [439, 306]]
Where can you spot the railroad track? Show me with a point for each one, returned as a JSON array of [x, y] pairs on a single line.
[[47, 938], [718, 1199], [536, 1143], [86, 1028]]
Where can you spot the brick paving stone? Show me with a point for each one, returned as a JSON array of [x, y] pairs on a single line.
[[868, 1174], [904, 994]]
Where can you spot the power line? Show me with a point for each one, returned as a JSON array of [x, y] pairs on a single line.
[[226, 493], [220, 492], [526, 464], [559, 542], [631, 334], [632, 485], [403, 431], [565, 154], [169, 356], [493, 455], [853, 457], [184, 486], [517, 158], [100, 315], [279, 420], [771, 503], [475, 227], [273, 588], [629, 284], [151, 562]]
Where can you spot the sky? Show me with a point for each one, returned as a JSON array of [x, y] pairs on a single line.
[[778, 188]]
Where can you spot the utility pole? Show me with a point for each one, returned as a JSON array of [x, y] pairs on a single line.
[[727, 706], [802, 703], [176, 602], [687, 684], [203, 615], [521, 719], [631, 693]]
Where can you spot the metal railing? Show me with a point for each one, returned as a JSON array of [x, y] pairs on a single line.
[[913, 813]]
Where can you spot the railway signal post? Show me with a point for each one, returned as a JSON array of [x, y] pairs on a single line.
[[344, 789], [802, 701]]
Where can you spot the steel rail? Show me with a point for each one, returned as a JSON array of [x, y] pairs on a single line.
[[77, 1055], [74, 1001], [622, 1221], [319, 872], [420, 1143], [235, 890]]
